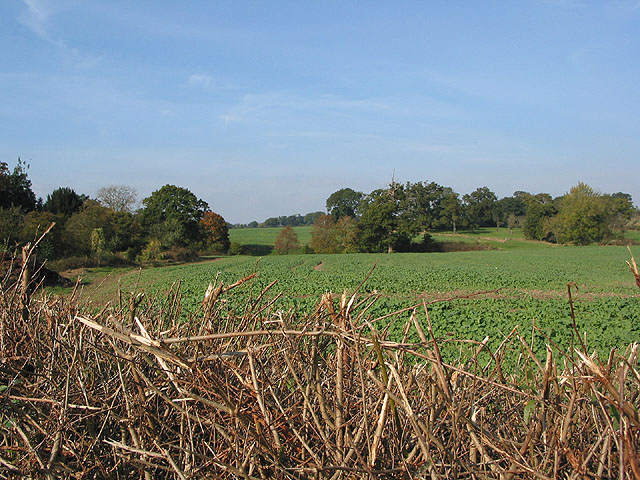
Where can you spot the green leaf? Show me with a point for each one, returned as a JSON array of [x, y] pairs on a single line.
[[528, 410]]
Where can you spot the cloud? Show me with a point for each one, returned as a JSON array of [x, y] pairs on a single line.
[[36, 17], [199, 80], [258, 106]]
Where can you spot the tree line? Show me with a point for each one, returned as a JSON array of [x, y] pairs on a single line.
[[399, 217], [172, 222]]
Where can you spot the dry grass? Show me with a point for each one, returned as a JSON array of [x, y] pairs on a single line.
[[131, 392]]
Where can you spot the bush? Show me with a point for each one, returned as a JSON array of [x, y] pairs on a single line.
[[236, 248], [151, 252]]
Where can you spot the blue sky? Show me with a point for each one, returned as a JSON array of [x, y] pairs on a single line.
[[266, 108]]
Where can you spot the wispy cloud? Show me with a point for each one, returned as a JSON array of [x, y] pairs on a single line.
[[258, 106], [199, 80], [36, 17]]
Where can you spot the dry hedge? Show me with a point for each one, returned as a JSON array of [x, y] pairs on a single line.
[[133, 392]]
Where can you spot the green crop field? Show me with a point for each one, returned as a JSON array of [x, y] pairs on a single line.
[[523, 287]]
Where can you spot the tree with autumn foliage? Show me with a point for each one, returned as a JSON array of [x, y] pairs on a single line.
[[287, 241], [216, 232], [323, 235]]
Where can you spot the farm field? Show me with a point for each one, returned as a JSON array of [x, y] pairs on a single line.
[[523, 287], [266, 236]]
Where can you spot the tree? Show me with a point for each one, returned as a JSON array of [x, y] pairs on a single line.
[[119, 198], [175, 211], [10, 227], [451, 209], [216, 231], [479, 206], [540, 209], [80, 226], [64, 201], [35, 223], [323, 235], [421, 204], [98, 242], [287, 241], [584, 216], [310, 218], [379, 225], [271, 222], [15, 187], [347, 235], [344, 203]]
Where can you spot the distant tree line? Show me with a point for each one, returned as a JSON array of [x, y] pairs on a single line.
[[296, 220], [400, 216], [172, 222]]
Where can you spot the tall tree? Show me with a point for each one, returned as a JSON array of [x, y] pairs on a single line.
[[584, 216], [178, 209], [451, 209], [347, 235], [323, 235], [216, 231], [380, 221], [15, 187], [479, 206], [344, 203], [287, 241], [80, 226], [64, 201], [119, 198], [540, 209]]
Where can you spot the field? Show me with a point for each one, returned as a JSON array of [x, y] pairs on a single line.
[[469, 294]]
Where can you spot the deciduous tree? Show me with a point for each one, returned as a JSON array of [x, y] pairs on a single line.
[[119, 198], [15, 187], [323, 235], [344, 203], [216, 231], [180, 208], [287, 241]]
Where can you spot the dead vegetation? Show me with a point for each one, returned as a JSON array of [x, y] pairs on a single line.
[[132, 392]]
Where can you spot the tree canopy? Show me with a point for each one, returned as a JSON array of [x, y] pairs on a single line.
[[15, 187], [344, 203], [174, 213]]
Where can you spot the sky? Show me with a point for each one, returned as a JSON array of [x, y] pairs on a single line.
[[266, 108]]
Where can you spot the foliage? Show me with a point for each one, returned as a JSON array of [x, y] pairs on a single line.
[[15, 187], [287, 241], [584, 216], [80, 226], [450, 210], [64, 201], [152, 251], [127, 232], [540, 209], [323, 235], [98, 242], [119, 198], [11, 223], [379, 222], [479, 207], [35, 223], [344, 203], [173, 214], [216, 231], [347, 235]]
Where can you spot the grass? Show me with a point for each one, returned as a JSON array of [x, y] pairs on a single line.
[[266, 236]]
